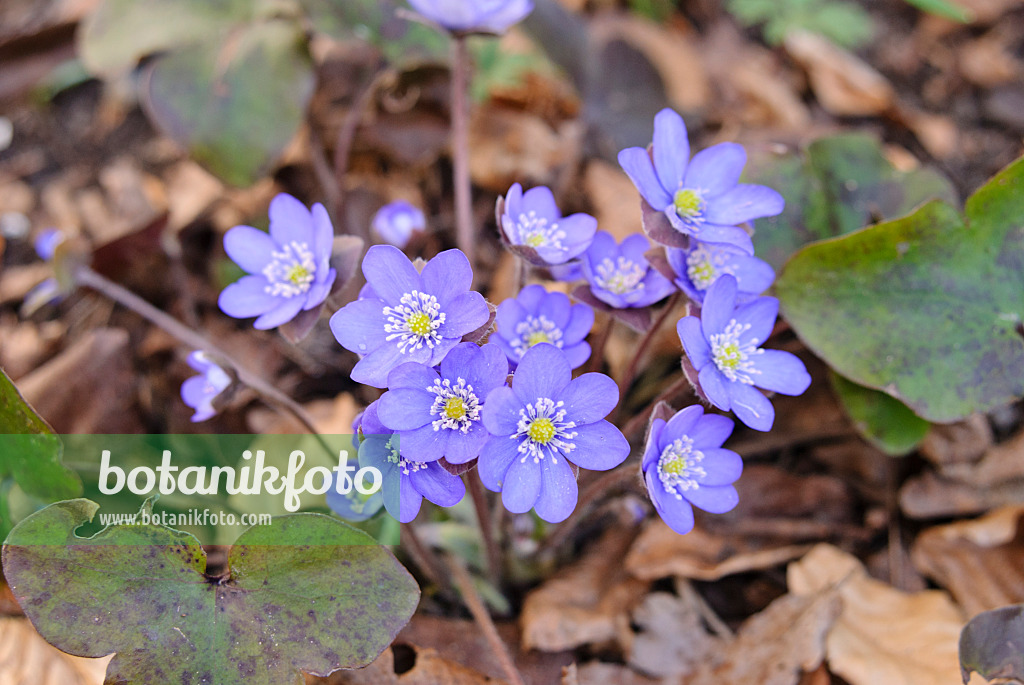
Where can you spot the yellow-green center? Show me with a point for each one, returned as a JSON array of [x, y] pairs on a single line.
[[687, 203], [419, 324], [535, 240], [728, 356], [702, 274], [454, 408], [298, 274], [675, 467], [536, 338], [541, 430]]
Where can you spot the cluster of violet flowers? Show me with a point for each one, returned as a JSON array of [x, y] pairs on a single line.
[[464, 385]]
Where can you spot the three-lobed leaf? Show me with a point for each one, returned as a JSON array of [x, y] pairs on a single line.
[[307, 592], [926, 308]]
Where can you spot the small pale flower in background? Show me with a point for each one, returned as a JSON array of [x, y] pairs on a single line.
[[532, 220], [397, 221], [474, 16], [407, 316], [46, 243], [701, 197], [620, 275], [536, 316], [702, 264], [685, 466], [724, 347], [199, 392], [289, 269]]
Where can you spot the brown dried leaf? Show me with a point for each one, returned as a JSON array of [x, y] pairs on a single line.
[[672, 640], [614, 199], [598, 673], [930, 496], [27, 659], [660, 552], [777, 645], [963, 442], [586, 602], [844, 84], [980, 562], [403, 664], [882, 635], [331, 417]]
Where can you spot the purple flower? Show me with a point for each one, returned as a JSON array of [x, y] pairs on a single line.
[[288, 268], [685, 466], [474, 16], [397, 221], [701, 197], [533, 220], [353, 505], [46, 243], [723, 347], [620, 276], [702, 263], [540, 424], [536, 316], [405, 483], [438, 414], [199, 392], [407, 316]]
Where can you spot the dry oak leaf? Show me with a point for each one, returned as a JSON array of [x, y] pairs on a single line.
[[980, 562], [589, 601], [27, 659], [672, 639], [882, 635], [844, 84]]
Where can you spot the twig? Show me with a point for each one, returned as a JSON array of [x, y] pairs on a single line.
[[460, 148], [90, 279], [476, 607], [346, 138], [645, 342], [425, 558], [483, 515]]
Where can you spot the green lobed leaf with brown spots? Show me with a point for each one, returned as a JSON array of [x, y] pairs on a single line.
[[838, 185], [927, 308], [884, 421], [307, 592], [992, 644]]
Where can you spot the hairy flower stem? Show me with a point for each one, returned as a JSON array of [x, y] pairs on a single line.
[[630, 375], [87, 277], [495, 567], [634, 426], [460, 148], [476, 607]]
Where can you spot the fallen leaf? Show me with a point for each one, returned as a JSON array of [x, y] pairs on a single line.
[[671, 640], [844, 84], [614, 198], [963, 442], [598, 673], [930, 496], [403, 664], [587, 602], [26, 658], [882, 635], [980, 562]]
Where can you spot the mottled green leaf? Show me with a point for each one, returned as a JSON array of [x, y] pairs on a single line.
[[402, 41], [840, 184], [118, 33], [885, 422], [305, 593], [943, 8], [992, 644], [926, 308], [234, 104], [31, 453]]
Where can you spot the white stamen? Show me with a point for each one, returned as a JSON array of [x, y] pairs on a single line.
[[543, 431], [457, 407], [534, 330], [414, 322], [291, 272], [678, 468], [735, 361], [620, 277]]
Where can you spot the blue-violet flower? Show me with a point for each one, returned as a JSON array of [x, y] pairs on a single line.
[[685, 466], [723, 347], [533, 220], [407, 316], [437, 414], [397, 221], [474, 16], [620, 275], [701, 197], [702, 263], [540, 424], [288, 268], [536, 316], [199, 392]]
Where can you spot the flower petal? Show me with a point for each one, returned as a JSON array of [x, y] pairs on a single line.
[[290, 221], [581, 320], [638, 166], [589, 398], [714, 500], [716, 170], [599, 446], [751, 407], [447, 275], [728, 235], [247, 297], [577, 355], [542, 201], [694, 343], [500, 412], [681, 424], [543, 372], [323, 237], [281, 314], [675, 512], [405, 409], [745, 203], [412, 375], [711, 431], [483, 367], [721, 466], [463, 314], [409, 501], [463, 447], [249, 248], [390, 273], [495, 458], [781, 372], [359, 326], [438, 486], [558, 491], [521, 488], [719, 306], [714, 385], [373, 369], [652, 451], [423, 443], [761, 314], [671, 149], [754, 275]]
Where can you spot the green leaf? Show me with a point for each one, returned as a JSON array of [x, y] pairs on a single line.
[[926, 308], [30, 453], [307, 592], [234, 104], [992, 644], [402, 41], [943, 8], [886, 423], [840, 184], [118, 33], [844, 23]]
